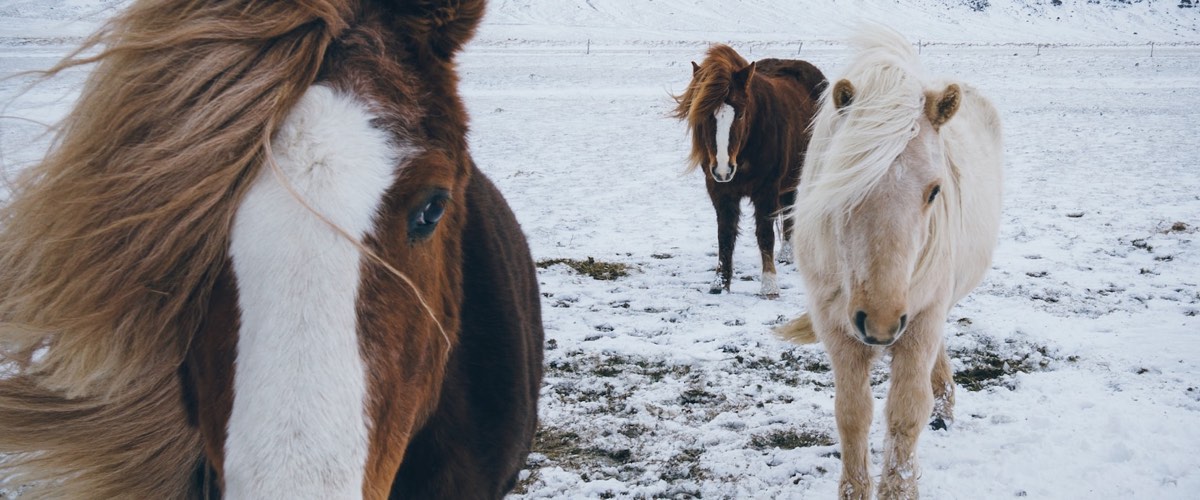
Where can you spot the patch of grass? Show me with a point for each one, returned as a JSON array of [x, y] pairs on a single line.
[[684, 465], [698, 396], [597, 269], [562, 448], [566, 447], [632, 430], [790, 440], [793, 367], [989, 363]]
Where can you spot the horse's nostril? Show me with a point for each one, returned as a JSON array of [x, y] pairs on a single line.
[[860, 322], [903, 323]]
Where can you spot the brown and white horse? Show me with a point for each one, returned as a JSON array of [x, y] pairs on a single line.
[[749, 125], [259, 262], [897, 216]]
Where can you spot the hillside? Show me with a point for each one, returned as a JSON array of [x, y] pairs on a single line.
[[936, 21]]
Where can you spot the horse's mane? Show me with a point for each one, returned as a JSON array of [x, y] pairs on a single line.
[[852, 148], [110, 245], [706, 93]]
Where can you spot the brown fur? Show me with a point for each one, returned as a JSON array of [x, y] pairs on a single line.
[[939, 108], [777, 99], [843, 93], [706, 92], [144, 175], [114, 266]]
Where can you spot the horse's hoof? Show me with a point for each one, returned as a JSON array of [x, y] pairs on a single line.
[[940, 424], [770, 286], [716, 291]]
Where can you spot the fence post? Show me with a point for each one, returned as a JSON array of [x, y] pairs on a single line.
[[1151, 49], [589, 46], [801, 47]]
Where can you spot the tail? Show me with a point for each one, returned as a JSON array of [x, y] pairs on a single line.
[[799, 330]]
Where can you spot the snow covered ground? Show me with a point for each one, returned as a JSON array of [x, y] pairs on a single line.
[[1078, 358]]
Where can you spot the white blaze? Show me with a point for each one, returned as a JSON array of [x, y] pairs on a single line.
[[724, 117], [298, 428]]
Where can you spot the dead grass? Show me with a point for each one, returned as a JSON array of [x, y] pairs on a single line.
[[790, 439], [597, 269]]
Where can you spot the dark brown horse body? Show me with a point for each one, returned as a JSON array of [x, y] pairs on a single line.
[[367, 321], [769, 106]]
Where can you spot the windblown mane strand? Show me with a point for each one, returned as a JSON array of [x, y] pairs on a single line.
[[705, 94], [109, 246], [853, 148]]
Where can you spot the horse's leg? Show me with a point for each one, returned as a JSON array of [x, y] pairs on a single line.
[[729, 210], [851, 361], [943, 390], [786, 201], [909, 404], [764, 229]]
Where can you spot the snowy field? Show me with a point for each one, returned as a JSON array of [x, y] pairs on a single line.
[[1078, 358]]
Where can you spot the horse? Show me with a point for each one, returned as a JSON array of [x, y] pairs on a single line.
[[260, 262], [897, 213], [749, 127]]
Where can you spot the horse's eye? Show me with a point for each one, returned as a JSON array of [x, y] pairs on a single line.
[[423, 220], [933, 194]]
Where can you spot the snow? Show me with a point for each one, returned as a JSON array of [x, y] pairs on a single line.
[[1078, 357]]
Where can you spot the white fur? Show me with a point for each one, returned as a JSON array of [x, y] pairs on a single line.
[[298, 428], [724, 116], [866, 151], [853, 149], [770, 285]]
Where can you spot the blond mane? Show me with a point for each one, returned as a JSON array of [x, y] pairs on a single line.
[[109, 246], [852, 148], [705, 94]]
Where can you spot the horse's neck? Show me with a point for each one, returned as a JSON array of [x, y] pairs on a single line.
[[969, 218]]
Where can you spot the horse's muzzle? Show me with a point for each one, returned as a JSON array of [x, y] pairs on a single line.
[[726, 176], [874, 337]]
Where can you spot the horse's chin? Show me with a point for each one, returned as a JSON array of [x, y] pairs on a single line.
[[862, 339]]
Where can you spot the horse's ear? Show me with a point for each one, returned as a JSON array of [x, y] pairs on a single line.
[[843, 93], [940, 108], [742, 77], [695, 68]]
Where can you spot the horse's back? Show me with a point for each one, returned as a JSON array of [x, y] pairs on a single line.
[[975, 149], [803, 72], [476, 441]]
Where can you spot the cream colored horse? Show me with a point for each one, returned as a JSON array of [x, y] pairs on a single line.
[[896, 217]]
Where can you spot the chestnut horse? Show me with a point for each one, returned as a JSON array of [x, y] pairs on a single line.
[[749, 125], [259, 262], [897, 215]]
